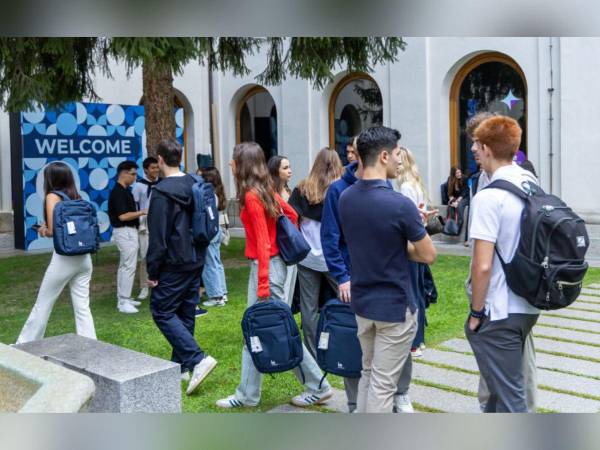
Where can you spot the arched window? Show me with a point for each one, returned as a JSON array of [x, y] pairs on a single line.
[[355, 104], [490, 82], [256, 120]]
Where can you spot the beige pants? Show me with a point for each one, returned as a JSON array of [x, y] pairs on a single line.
[[385, 347]]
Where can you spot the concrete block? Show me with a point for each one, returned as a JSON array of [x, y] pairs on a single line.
[[126, 381], [574, 314], [582, 325], [550, 332]]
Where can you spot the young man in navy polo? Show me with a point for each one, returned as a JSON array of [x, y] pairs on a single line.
[[383, 229]]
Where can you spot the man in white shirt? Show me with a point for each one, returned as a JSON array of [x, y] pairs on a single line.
[[141, 194], [500, 320], [480, 180]]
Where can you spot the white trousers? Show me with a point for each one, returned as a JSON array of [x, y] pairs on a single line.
[[75, 270], [126, 239]]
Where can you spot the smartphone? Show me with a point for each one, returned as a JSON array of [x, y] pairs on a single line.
[[36, 227]]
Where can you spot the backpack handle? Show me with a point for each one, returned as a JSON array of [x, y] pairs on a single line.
[[62, 195]]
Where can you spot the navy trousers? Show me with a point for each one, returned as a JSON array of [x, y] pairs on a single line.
[[173, 304]]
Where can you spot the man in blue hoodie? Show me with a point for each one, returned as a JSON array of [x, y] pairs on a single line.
[[337, 258], [174, 265]]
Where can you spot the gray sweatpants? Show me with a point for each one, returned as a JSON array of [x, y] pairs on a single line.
[[310, 286], [499, 350]]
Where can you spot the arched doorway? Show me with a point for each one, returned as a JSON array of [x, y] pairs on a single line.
[[491, 82], [355, 104], [256, 120]]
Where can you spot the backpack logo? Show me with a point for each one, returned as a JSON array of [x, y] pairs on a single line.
[[340, 365], [274, 364], [580, 241]]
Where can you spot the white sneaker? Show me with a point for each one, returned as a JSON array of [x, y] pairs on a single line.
[[216, 301], [134, 302], [127, 308], [416, 352], [143, 295], [422, 347], [225, 299], [307, 399], [229, 402], [402, 404], [201, 370], [185, 376]]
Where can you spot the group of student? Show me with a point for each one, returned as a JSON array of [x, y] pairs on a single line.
[[365, 225]]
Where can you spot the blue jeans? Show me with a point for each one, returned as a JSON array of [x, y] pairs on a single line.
[[172, 304], [213, 275]]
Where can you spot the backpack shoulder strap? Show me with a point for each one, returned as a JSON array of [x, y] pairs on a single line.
[[62, 195], [197, 178], [508, 186]]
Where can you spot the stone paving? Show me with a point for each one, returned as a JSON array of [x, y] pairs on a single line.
[[567, 346]]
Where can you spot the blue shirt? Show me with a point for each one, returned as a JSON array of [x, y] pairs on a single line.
[[377, 223]]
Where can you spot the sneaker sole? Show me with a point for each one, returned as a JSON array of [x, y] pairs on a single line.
[[128, 312], [318, 402], [192, 387]]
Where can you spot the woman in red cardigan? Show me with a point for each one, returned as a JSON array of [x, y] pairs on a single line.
[[260, 206]]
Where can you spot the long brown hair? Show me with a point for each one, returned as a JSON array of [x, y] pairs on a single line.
[[252, 174], [212, 176], [274, 164], [455, 184], [325, 170]]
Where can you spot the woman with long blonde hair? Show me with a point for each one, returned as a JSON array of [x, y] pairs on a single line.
[[410, 184], [260, 206], [307, 199]]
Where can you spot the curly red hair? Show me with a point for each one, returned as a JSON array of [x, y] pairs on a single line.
[[501, 134]]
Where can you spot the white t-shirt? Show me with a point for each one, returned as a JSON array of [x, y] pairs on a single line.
[[311, 231], [497, 218]]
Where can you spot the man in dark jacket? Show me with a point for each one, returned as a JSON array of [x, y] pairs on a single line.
[[174, 265]]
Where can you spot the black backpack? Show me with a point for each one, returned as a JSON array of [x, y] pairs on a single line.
[[548, 267]]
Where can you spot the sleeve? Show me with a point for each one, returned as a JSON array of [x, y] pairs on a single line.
[[485, 217], [136, 192], [412, 222], [410, 192], [287, 210], [294, 201], [330, 238], [158, 226], [258, 221]]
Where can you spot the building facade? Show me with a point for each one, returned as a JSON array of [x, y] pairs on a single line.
[[550, 85]]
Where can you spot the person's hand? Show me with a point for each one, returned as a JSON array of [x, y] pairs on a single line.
[[474, 323], [152, 283], [43, 231], [426, 214], [144, 211], [262, 299], [344, 293]]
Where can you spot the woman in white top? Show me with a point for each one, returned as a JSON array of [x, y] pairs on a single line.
[[410, 184], [307, 199], [75, 270]]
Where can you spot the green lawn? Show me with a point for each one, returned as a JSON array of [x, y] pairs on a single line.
[[218, 333]]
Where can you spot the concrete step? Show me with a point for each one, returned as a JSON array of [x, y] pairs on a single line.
[[581, 325], [590, 291], [551, 332], [574, 314], [588, 299]]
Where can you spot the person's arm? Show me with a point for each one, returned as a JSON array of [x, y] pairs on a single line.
[[258, 222], [159, 226], [295, 200], [481, 272], [422, 251], [48, 229], [330, 240], [129, 216], [420, 247]]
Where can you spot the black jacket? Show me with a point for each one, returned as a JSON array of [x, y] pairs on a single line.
[[304, 209], [171, 247]]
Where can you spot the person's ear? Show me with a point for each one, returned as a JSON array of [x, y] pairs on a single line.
[[384, 156]]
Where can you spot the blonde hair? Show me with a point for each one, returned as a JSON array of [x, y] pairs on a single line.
[[325, 170], [409, 172]]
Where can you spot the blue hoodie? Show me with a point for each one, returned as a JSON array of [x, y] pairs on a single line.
[[332, 238]]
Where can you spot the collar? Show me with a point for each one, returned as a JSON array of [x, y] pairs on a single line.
[[502, 171], [375, 183]]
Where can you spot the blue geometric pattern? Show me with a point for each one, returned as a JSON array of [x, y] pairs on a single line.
[[93, 139]]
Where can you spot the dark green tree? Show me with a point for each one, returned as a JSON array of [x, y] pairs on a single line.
[[52, 71]]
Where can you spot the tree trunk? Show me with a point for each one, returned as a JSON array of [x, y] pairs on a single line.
[[158, 105]]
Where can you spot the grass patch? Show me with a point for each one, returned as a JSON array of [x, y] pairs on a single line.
[[567, 392], [219, 332], [444, 387]]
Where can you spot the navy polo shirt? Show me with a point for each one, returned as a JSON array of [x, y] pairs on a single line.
[[377, 223]]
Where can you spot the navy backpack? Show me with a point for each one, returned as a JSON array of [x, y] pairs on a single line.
[[272, 336], [75, 226], [205, 218], [338, 348], [293, 248]]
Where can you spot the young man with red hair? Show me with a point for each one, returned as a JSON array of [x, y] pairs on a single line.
[[500, 320]]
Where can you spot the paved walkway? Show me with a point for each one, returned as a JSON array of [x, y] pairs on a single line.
[[567, 345]]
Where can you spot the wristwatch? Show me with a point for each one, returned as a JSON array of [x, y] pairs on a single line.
[[477, 314]]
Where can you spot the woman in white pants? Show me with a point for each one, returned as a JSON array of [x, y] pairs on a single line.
[[75, 270]]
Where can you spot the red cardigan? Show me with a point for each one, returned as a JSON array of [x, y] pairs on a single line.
[[260, 228]]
